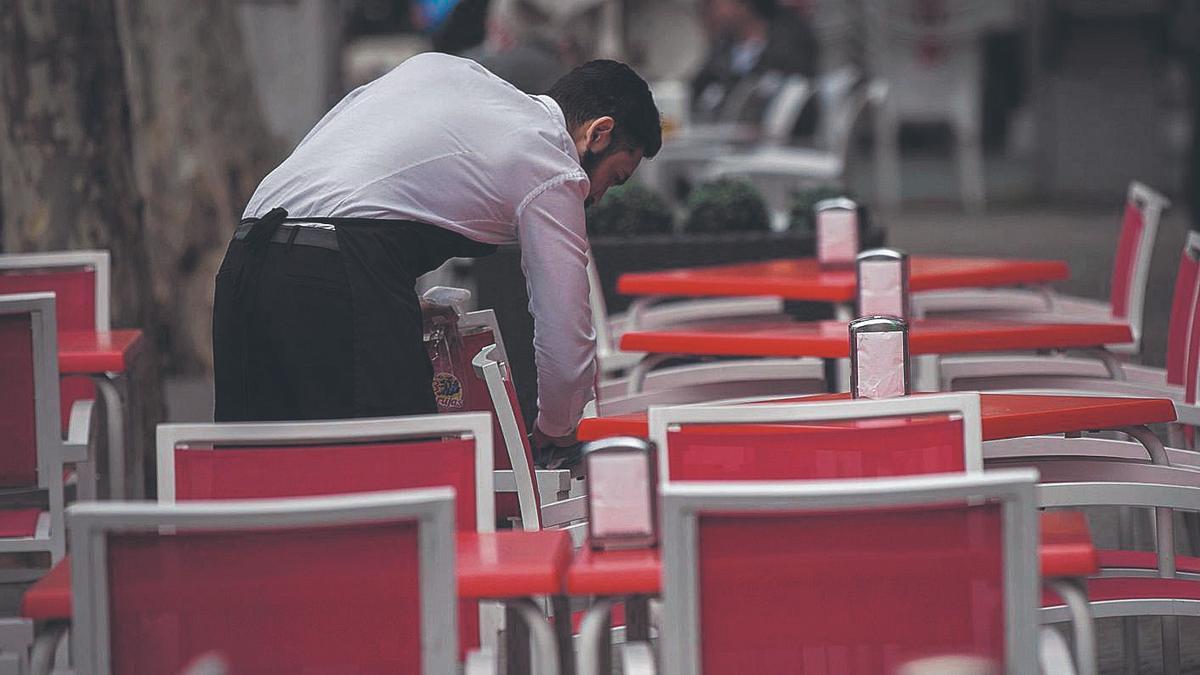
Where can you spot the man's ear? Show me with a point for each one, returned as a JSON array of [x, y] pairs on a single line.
[[599, 134]]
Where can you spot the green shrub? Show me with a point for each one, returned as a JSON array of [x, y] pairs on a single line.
[[727, 205], [630, 210]]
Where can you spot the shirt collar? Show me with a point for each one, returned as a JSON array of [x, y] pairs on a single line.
[[557, 113]]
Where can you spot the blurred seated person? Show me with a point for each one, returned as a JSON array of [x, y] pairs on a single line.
[[520, 47], [756, 45]]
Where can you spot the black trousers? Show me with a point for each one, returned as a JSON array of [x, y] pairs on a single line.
[[303, 333]]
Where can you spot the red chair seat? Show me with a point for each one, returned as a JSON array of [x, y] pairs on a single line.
[[1144, 560], [50, 598], [19, 522], [1133, 588]]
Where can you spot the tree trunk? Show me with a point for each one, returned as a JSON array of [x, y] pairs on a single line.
[[132, 126], [200, 146], [66, 173], [66, 165]]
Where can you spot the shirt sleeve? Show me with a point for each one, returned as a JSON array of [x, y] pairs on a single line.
[[553, 240]]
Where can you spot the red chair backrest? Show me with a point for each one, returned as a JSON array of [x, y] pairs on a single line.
[[18, 414], [312, 600], [310, 471], [849, 592], [305, 471], [1129, 245], [1183, 311], [74, 291], [479, 400], [897, 446]]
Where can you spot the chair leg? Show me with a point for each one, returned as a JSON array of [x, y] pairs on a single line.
[[562, 631], [1074, 595], [637, 618], [16, 639], [516, 642], [115, 426], [45, 646], [595, 639]]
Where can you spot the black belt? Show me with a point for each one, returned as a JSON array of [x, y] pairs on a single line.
[[321, 237]]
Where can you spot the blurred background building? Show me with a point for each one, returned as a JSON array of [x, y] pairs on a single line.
[[995, 100]]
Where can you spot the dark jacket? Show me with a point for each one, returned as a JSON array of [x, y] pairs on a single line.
[[721, 93]]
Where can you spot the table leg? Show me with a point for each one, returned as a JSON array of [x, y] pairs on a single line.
[[537, 634], [562, 633], [114, 412], [516, 642], [637, 618]]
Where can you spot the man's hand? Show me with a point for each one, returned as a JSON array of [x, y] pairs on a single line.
[[539, 440], [556, 452]]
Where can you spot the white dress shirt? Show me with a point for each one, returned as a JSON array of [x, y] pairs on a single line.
[[442, 141]]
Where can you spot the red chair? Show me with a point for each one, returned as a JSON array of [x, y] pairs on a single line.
[[542, 496], [296, 459], [81, 283], [819, 440], [361, 583], [929, 434], [1131, 269], [32, 467], [849, 576], [1132, 583], [36, 453], [1092, 374]]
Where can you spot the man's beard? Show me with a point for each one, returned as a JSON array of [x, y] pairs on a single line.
[[589, 162]]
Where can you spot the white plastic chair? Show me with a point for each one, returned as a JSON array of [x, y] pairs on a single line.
[[694, 382], [779, 170], [934, 63]]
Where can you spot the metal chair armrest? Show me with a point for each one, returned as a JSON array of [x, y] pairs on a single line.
[[75, 448], [1053, 653], [552, 484], [564, 511], [480, 662], [637, 659], [684, 311]]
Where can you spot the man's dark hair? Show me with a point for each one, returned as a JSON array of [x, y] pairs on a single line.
[[609, 88]]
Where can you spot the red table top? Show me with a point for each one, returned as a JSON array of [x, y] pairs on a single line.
[[831, 339], [89, 352], [512, 564], [1066, 550], [1004, 415], [803, 278], [493, 565]]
